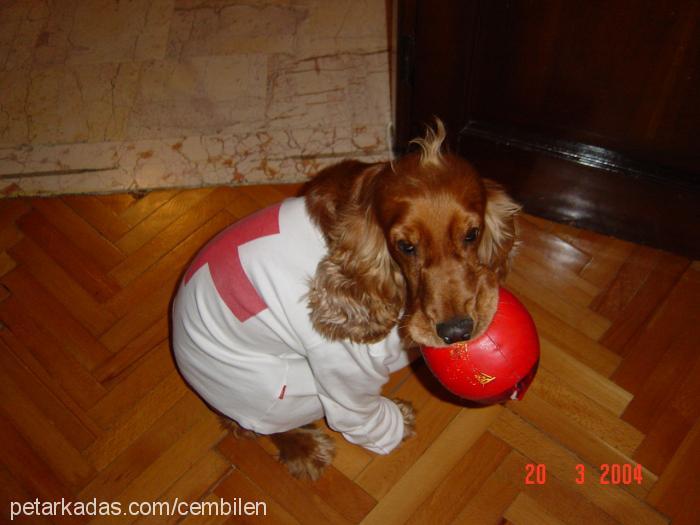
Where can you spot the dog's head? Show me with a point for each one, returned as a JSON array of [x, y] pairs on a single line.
[[423, 241]]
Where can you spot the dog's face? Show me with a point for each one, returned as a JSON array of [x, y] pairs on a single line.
[[434, 221], [423, 242]]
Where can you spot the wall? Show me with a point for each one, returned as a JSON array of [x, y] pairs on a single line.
[[107, 95]]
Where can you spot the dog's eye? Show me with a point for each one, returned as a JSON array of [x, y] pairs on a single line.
[[406, 247], [471, 235]]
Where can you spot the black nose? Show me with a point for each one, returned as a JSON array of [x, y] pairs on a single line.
[[456, 329]]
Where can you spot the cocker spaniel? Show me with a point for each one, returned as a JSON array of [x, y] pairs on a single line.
[[302, 310]]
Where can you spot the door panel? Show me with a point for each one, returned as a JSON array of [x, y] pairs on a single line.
[[588, 111]]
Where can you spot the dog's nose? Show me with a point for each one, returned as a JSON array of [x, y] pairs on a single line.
[[456, 329]]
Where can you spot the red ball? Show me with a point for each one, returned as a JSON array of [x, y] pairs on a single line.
[[496, 366]]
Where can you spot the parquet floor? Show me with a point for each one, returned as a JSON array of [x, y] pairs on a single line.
[[93, 410]]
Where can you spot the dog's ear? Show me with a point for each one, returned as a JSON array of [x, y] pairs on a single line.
[[358, 291], [499, 229]]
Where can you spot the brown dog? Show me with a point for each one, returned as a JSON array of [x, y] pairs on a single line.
[[306, 307]]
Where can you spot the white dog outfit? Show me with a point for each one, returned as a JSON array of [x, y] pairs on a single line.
[[243, 339]]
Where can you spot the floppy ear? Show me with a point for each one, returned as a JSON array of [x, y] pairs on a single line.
[[499, 229], [357, 291]]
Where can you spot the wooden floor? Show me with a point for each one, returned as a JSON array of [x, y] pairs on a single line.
[[93, 410]]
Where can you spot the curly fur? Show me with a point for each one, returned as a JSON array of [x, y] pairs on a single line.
[[431, 146], [305, 451], [496, 246], [357, 291]]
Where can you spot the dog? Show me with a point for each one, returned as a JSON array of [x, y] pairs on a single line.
[[302, 310]]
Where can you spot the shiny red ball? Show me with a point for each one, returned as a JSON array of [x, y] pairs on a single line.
[[498, 365]]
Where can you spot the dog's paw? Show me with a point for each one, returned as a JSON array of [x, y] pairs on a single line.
[[409, 418], [312, 452], [236, 430]]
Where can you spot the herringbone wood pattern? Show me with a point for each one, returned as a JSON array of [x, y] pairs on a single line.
[[92, 407]]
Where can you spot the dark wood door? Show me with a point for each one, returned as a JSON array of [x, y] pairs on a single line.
[[588, 111]]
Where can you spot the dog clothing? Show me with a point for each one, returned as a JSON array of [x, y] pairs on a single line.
[[243, 339]]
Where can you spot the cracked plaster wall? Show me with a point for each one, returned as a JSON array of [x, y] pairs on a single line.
[[108, 95]]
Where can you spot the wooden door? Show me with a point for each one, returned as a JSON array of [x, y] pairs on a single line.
[[588, 111]]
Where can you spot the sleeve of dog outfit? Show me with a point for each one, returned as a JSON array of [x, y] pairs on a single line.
[[349, 378]]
